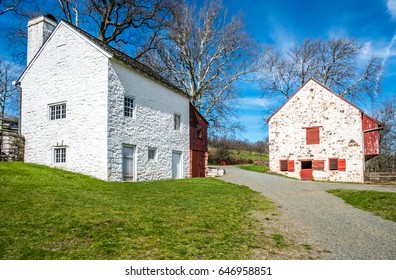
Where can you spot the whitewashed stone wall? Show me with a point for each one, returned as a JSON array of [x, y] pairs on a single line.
[[341, 125], [152, 125], [82, 82]]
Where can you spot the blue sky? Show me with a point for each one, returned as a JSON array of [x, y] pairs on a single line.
[[286, 22]]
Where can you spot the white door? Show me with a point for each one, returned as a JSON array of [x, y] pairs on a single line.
[[128, 165], [176, 165]]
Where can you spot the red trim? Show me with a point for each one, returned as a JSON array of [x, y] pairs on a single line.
[[339, 96]]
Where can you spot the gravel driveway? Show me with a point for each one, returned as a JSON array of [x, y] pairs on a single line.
[[326, 220]]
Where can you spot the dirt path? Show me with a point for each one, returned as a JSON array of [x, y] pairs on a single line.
[[328, 222]]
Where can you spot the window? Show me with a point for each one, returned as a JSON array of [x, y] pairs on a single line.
[[151, 154], [60, 155], [60, 54], [306, 164], [58, 111], [177, 121], [333, 164], [199, 131], [128, 107], [337, 164], [312, 135], [283, 165], [286, 165]]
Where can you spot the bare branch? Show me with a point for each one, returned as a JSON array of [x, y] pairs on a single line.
[[205, 53], [8, 6], [335, 63]]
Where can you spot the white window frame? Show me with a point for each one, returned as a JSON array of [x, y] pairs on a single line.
[[58, 113], [154, 150], [176, 121], [61, 157], [129, 112]]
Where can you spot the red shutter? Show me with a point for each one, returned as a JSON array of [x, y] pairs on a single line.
[[312, 135], [318, 164], [341, 164], [290, 165]]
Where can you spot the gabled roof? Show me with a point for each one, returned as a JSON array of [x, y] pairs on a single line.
[[339, 96], [199, 113], [110, 52]]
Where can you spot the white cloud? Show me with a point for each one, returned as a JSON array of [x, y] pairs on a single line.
[[380, 48], [391, 5], [253, 103], [283, 39]]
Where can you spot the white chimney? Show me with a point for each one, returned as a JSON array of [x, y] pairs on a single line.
[[39, 29]]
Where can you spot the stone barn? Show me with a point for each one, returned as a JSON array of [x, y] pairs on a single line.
[[319, 135]]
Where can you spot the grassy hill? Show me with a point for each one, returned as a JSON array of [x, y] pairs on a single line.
[[53, 214], [238, 157]]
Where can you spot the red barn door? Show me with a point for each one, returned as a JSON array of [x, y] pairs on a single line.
[[198, 164], [306, 170]]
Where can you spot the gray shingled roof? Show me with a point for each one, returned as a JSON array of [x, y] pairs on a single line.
[[126, 59]]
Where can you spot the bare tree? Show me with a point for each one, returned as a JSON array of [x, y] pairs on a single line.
[[335, 63], [8, 5], [7, 90], [70, 10], [134, 23], [205, 53]]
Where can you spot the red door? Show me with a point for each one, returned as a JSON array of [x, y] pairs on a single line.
[[198, 164], [306, 170]]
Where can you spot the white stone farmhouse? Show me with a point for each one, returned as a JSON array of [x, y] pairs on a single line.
[[89, 108], [319, 135]]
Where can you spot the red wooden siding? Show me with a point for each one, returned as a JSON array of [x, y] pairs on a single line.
[[198, 143], [312, 135], [318, 164], [371, 138]]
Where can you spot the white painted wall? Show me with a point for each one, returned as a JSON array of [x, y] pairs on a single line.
[[95, 128], [152, 125], [82, 82], [314, 105]]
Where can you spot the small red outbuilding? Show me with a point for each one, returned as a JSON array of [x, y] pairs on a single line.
[[198, 143]]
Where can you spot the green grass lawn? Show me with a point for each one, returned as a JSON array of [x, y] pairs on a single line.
[[255, 167], [382, 204], [248, 155], [52, 214]]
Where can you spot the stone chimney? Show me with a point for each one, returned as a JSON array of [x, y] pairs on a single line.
[[39, 29]]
